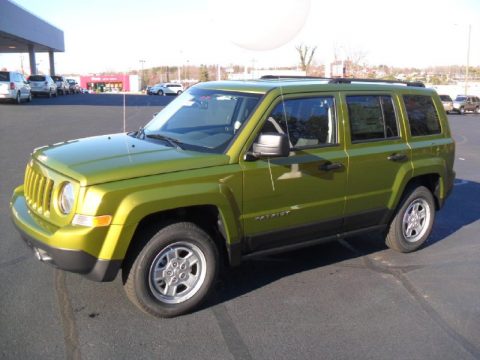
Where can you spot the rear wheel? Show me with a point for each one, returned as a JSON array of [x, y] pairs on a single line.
[[160, 92], [179, 92], [174, 272], [413, 221], [462, 111], [18, 98], [477, 110]]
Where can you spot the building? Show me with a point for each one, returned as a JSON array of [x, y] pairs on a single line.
[[23, 32], [110, 83]]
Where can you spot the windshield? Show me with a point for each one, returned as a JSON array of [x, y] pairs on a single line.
[[461, 98], [203, 119]]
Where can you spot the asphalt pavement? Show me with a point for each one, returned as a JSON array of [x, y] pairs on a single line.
[[352, 299]]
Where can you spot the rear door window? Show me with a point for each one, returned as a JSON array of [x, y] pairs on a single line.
[[372, 117], [422, 115]]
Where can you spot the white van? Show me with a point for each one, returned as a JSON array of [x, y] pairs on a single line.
[[14, 87]]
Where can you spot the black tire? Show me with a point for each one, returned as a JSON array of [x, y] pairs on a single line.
[[397, 237], [168, 249], [160, 92], [29, 98], [50, 94], [477, 110], [462, 111], [18, 98], [179, 92]]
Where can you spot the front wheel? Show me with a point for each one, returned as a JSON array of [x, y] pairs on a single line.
[[477, 110], [174, 272], [160, 92], [413, 221], [462, 111]]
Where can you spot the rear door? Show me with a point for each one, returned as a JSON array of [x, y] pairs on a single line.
[[378, 158], [296, 198]]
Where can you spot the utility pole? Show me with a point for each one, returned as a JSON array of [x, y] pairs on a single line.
[[468, 57]]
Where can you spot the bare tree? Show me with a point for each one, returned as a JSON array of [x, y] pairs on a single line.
[[357, 59], [306, 56]]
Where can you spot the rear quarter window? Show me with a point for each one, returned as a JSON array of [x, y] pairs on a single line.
[[422, 115], [4, 76]]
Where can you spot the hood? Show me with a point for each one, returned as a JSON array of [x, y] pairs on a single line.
[[115, 157]]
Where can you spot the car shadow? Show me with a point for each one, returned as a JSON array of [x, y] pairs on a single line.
[[259, 272], [462, 208], [102, 100]]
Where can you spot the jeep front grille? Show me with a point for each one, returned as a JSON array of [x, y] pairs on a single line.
[[38, 191]]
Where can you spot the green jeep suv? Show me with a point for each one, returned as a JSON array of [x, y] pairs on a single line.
[[233, 170]]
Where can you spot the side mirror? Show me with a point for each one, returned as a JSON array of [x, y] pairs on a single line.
[[271, 145]]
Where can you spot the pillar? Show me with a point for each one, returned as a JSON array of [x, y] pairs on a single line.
[[52, 63], [33, 63]]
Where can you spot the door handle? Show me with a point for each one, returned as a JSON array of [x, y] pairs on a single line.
[[329, 166], [397, 157]]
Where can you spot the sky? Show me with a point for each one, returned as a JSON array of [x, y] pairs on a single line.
[[114, 35]]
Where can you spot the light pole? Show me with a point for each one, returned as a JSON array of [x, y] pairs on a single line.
[[141, 79], [468, 57]]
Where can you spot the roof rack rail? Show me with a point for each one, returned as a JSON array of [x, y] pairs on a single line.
[[275, 77], [379, 81], [346, 80]]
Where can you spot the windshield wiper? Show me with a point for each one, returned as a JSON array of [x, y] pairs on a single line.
[[172, 141]]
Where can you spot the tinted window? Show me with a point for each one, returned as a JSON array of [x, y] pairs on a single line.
[[445, 98], [4, 76], [372, 117], [36, 78], [422, 115], [307, 122]]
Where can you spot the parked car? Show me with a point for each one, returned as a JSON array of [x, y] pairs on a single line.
[[464, 103], [447, 103], [236, 170], [74, 86], [14, 87], [165, 89], [62, 85], [42, 85]]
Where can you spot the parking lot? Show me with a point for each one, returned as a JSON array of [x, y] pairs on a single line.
[[352, 299]]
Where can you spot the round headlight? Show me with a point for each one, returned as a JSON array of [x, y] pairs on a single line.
[[66, 198]]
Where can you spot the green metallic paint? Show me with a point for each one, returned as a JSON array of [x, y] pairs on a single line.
[[121, 157], [131, 179]]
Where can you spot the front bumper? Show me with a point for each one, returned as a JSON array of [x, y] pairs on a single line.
[[35, 232]]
